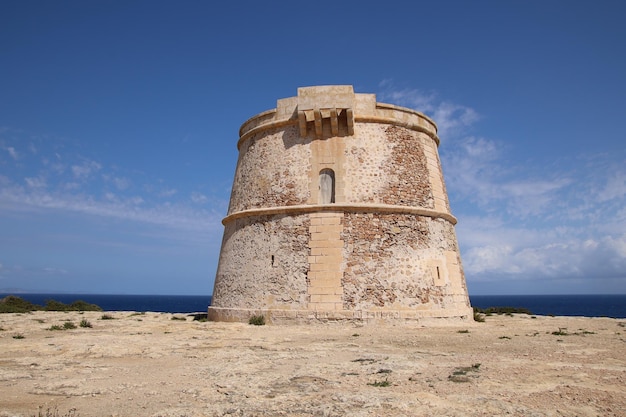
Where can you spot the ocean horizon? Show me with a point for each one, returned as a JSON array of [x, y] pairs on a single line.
[[603, 305]]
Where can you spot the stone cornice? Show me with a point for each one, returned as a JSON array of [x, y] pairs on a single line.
[[363, 119], [340, 207], [321, 105]]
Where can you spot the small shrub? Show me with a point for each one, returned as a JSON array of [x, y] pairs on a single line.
[[55, 327], [179, 318], [463, 331], [1, 329], [55, 413], [80, 305], [18, 336], [68, 325], [479, 317], [365, 361], [14, 304], [257, 320], [384, 383], [201, 317], [460, 374], [504, 337], [53, 305], [502, 310], [84, 323], [561, 332], [107, 317]]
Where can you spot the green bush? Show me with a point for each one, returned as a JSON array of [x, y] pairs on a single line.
[[384, 383], [84, 323], [53, 305], [257, 320], [501, 310], [478, 316], [55, 413], [80, 305], [68, 325], [14, 304]]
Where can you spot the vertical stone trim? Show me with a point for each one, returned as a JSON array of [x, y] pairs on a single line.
[[327, 154], [435, 176], [325, 262]]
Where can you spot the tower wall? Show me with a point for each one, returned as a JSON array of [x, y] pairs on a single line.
[[339, 211]]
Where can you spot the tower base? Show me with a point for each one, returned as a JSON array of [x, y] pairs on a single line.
[[392, 317]]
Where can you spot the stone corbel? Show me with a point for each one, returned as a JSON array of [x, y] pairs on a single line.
[[325, 102], [318, 115]]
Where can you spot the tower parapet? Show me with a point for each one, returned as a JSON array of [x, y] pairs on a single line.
[[339, 211]]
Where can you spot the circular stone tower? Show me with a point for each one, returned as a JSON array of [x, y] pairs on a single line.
[[339, 212]]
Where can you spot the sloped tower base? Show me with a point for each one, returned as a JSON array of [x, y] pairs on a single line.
[[339, 212]]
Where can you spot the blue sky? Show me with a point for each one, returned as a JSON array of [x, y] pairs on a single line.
[[119, 122]]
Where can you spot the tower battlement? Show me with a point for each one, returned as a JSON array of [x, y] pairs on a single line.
[[339, 212]]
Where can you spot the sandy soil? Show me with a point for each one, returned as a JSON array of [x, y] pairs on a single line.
[[152, 365]]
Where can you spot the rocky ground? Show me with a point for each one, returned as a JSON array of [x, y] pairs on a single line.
[[157, 364]]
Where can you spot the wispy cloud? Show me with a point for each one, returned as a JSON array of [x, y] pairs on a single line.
[[534, 223], [451, 118], [110, 205], [167, 192], [13, 153], [85, 169], [198, 198], [35, 182], [74, 184]]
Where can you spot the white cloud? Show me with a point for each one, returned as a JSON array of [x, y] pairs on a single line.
[[55, 271], [13, 153], [85, 170], [451, 118], [549, 258], [110, 197], [614, 188], [69, 186], [36, 182], [121, 183], [549, 225], [168, 192], [478, 170], [198, 198], [19, 199]]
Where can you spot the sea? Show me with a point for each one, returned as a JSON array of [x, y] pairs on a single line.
[[546, 305]]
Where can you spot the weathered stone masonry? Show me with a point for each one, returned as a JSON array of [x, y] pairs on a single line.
[[339, 211]]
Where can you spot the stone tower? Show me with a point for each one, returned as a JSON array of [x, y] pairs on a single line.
[[339, 212]]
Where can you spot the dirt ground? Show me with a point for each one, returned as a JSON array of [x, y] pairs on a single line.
[[157, 364]]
